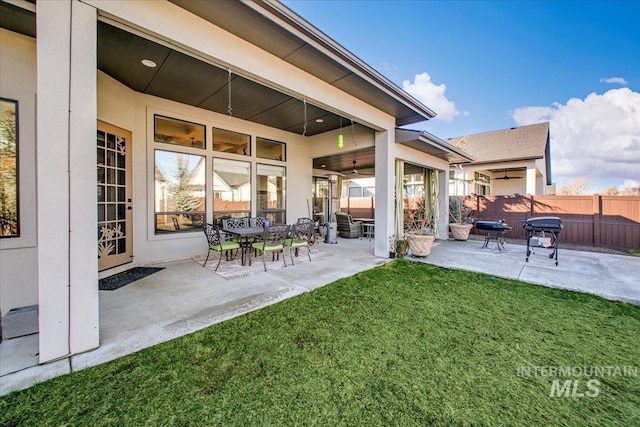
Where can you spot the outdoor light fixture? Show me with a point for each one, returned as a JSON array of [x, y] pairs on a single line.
[[148, 63], [340, 136]]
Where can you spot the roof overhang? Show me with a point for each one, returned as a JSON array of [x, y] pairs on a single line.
[[269, 25], [493, 162], [278, 30], [431, 144]]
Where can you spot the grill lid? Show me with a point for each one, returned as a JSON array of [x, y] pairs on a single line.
[[543, 223]]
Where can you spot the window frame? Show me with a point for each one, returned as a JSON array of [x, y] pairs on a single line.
[[265, 212], [213, 142], [204, 132], [16, 144], [155, 214], [273, 141], [212, 192]]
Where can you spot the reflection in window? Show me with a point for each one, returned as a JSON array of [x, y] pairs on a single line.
[[231, 142], [273, 150], [271, 193], [8, 168], [231, 189], [180, 132], [179, 191]]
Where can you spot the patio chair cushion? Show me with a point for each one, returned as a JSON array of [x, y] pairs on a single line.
[[225, 245], [347, 227]]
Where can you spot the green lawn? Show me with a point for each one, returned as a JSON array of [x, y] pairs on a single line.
[[403, 344]]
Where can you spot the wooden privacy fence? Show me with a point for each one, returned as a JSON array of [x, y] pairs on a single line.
[[601, 221], [358, 207]]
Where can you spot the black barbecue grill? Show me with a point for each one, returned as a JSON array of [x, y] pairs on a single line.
[[543, 231], [493, 230]]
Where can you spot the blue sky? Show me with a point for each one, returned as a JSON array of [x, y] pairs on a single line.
[[492, 65]]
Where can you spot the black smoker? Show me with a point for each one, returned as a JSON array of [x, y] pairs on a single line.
[[543, 231], [493, 230]]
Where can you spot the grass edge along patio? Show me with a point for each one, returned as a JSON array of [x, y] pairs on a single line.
[[401, 344]]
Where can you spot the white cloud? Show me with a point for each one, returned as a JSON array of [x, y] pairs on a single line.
[[618, 80], [432, 96], [597, 137]]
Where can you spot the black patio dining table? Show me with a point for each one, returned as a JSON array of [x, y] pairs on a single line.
[[245, 234]]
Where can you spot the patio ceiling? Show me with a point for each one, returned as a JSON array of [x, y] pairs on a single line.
[[343, 161]]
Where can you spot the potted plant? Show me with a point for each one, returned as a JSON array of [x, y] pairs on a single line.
[[419, 225], [460, 220], [397, 247], [401, 247]]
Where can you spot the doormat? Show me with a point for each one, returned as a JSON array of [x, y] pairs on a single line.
[[119, 280]]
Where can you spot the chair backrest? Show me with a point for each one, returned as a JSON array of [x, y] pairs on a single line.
[[275, 235], [301, 231], [213, 234], [258, 221], [231, 223], [343, 219], [302, 220]]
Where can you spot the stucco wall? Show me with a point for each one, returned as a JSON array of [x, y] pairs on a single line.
[[18, 255]]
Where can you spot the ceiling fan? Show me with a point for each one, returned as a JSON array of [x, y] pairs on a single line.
[[354, 171], [506, 176]]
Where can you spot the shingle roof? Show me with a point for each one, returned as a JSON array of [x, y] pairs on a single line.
[[524, 142]]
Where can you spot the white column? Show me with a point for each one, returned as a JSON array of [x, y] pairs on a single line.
[[531, 181], [66, 178], [443, 204], [83, 194], [385, 190], [53, 21]]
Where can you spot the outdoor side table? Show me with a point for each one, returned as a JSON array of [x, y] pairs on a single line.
[[368, 230]]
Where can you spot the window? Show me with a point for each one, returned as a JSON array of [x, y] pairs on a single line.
[[369, 191], [179, 192], [271, 193], [227, 141], [272, 150], [482, 184], [231, 189], [179, 132], [9, 221], [355, 191]]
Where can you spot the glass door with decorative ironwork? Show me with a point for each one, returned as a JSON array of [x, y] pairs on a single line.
[[115, 231]]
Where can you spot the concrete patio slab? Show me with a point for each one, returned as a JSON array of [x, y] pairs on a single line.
[[614, 277], [180, 299]]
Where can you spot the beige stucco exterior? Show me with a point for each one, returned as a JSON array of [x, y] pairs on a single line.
[[53, 263]]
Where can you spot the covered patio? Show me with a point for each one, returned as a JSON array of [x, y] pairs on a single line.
[[180, 299]]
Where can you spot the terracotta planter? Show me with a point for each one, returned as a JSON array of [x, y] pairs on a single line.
[[420, 244], [460, 231]]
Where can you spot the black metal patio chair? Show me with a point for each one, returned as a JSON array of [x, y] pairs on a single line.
[[273, 239], [300, 237], [216, 243]]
